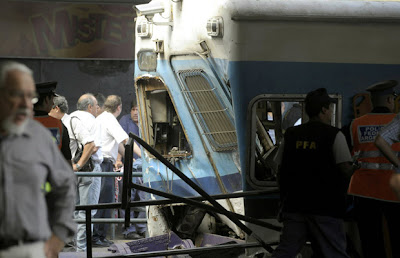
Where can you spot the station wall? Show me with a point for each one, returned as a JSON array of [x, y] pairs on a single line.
[[76, 77]]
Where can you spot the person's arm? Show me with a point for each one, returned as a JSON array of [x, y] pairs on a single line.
[[53, 246], [121, 147], [395, 184], [88, 150], [119, 164], [387, 151], [342, 156], [121, 154], [136, 150], [82, 135], [346, 169]]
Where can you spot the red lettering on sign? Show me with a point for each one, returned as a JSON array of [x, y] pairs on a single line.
[[63, 27], [66, 31]]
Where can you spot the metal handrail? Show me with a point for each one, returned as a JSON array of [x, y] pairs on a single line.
[[106, 174], [194, 201], [101, 220], [195, 187]]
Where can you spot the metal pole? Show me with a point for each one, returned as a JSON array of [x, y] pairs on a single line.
[[207, 207], [88, 217]]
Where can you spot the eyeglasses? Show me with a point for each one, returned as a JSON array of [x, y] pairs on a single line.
[[395, 94], [16, 94]]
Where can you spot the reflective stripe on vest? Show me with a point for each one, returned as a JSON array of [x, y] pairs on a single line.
[[55, 127], [372, 154], [379, 166], [372, 179]]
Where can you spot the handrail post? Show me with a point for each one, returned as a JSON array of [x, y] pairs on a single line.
[[88, 217], [127, 179]]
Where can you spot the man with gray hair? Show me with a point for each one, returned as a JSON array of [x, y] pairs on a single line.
[[36, 183], [86, 132], [60, 108], [59, 111]]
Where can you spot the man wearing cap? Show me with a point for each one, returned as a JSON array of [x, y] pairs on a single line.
[[46, 91], [373, 198], [314, 171]]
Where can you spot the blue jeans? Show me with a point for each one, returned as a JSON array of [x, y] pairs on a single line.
[[88, 192], [327, 236]]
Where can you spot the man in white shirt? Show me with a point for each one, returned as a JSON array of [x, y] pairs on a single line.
[[113, 135], [86, 132], [113, 140]]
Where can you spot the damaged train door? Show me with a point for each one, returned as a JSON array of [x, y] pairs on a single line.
[[178, 140]]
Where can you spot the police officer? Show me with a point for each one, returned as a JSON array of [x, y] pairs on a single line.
[[373, 198], [314, 172], [46, 91]]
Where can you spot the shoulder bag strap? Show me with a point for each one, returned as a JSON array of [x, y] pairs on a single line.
[[72, 129]]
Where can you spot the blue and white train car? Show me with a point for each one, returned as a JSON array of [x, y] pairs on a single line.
[[216, 79]]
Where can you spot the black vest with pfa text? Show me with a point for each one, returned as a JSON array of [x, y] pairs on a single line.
[[310, 181]]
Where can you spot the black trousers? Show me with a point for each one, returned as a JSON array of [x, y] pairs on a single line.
[[107, 191], [327, 236], [369, 214]]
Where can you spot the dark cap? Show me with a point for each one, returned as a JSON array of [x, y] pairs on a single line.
[[317, 99], [383, 88], [46, 88]]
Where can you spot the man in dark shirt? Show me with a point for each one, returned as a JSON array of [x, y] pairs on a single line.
[[314, 173], [129, 123], [46, 91]]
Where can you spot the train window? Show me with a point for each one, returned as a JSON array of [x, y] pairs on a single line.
[[160, 124], [206, 104], [271, 115]]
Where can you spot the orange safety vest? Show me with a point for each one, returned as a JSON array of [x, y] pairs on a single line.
[[372, 179], [55, 127]]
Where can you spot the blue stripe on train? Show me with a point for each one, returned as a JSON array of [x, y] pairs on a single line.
[[209, 184]]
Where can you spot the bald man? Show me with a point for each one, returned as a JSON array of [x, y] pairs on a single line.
[[86, 132]]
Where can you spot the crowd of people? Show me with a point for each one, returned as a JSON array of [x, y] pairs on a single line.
[[322, 180], [39, 190], [317, 173]]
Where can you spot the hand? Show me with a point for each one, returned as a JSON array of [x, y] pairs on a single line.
[[74, 168], [53, 246], [118, 165], [395, 184]]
